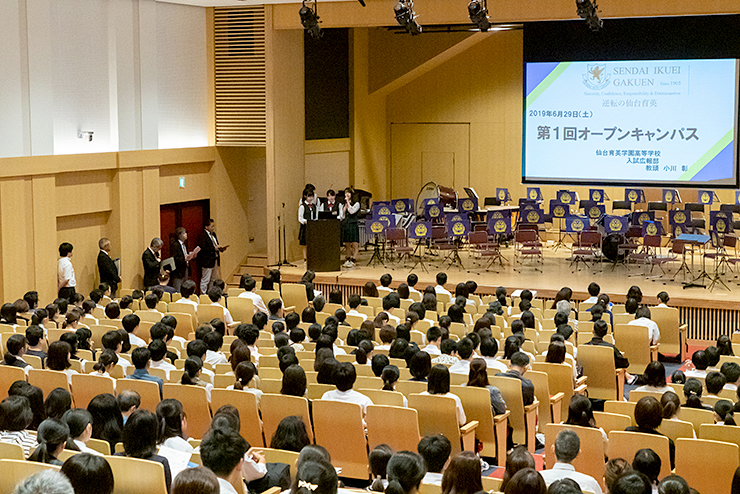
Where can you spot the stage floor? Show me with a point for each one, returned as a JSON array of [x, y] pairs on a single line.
[[556, 272]]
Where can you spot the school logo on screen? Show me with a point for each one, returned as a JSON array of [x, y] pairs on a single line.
[[596, 77]]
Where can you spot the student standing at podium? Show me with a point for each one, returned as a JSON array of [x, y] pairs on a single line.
[[330, 204], [307, 211], [350, 228]]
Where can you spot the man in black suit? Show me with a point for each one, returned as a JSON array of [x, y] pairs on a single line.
[[179, 251], [107, 268], [517, 368], [210, 256], [152, 262]]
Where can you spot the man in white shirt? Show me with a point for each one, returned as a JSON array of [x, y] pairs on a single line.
[[465, 349], [642, 318], [441, 290], [222, 451], [354, 302], [66, 281], [392, 301], [344, 377], [488, 351], [385, 285], [215, 295], [435, 451], [567, 446], [249, 285], [593, 291], [434, 337], [158, 349], [411, 281]]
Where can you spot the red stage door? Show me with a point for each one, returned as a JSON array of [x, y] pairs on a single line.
[[190, 215]]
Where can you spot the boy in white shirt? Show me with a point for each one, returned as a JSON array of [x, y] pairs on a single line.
[[344, 378], [354, 302], [440, 289], [214, 340], [130, 323], [158, 349], [215, 294]]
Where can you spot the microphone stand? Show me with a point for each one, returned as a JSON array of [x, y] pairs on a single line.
[[284, 244]]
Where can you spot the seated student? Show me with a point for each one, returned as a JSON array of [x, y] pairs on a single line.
[[175, 430], [663, 298], [654, 378], [517, 369], [79, 422], [411, 281], [249, 285], [151, 301], [128, 401], [15, 418], [699, 359], [434, 338], [140, 436], [391, 301], [216, 295], [439, 384], [354, 302], [131, 323], [214, 340], [187, 290], [198, 348], [16, 346], [385, 285], [297, 337], [58, 359], [712, 353], [649, 415], [448, 355], [435, 451], [439, 288], [104, 365], [593, 294], [731, 371], [164, 332], [244, 374], [52, 438], [125, 302], [724, 345], [275, 306], [378, 363], [562, 326], [724, 413], [597, 313], [465, 350], [600, 330], [113, 311], [419, 366], [488, 351], [331, 331], [112, 341], [344, 377], [191, 375], [714, 383], [158, 352], [250, 334], [692, 390], [141, 358], [292, 320], [642, 318], [36, 342], [96, 296], [529, 320]]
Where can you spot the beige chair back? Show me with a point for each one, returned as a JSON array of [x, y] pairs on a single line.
[[135, 476], [246, 402], [294, 295], [148, 391], [437, 415], [86, 387], [672, 339], [715, 432], [591, 458], [348, 450], [696, 416], [195, 405], [48, 380], [491, 431], [707, 466], [12, 472], [677, 428], [9, 375], [410, 387], [398, 427], [275, 407], [208, 312], [380, 397], [560, 378], [612, 421], [242, 309], [624, 444], [634, 343], [598, 364], [523, 427]]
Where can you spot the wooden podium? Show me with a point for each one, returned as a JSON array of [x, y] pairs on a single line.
[[322, 245]]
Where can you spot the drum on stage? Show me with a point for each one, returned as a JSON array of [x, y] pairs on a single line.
[[610, 247]]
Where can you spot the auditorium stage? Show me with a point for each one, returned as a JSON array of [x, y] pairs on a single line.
[[556, 272]]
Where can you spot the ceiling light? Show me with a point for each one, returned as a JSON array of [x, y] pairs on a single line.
[[406, 17], [478, 12], [310, 20], [588, 11]]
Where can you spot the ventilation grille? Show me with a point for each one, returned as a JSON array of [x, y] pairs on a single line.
[[240, 76]]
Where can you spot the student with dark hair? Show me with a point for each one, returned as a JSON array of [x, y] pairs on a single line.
[[16, 416], [434, 339], [290, 435], [642, 318], [107, 419], [724, 345], [631, 483], [435, 451], [222, 451], [191, 375], [66, 281], [344, 377], [465, 349], [89, 474], [140, 437], [439, 384], [244, 374], [52, 438], [35, 397], [214, 341], [654, 378], [378, 363], [448, 356], [517, 369], [57, 402], [294, 382], [649, 415], [140, 358], [663, 298], [79, 422], [714, 383], [419, 366], [593, 292], [58, 359], [275, 307], [405, 473], [488, 351], [439, 288], [175, 425], [130, 323], [16, 345], [463, 474], [36, 342], [600, 330], [724, 413]]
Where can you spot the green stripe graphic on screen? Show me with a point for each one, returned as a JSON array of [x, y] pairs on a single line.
[[536, 92], [707, 157]]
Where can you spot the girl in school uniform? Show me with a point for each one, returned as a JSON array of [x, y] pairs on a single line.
[[350, 228], [307, 211]]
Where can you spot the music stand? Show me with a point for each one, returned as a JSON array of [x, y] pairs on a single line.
[[503, 195], [599, 196], [402, 206], [706, 197], [697, 240], [634, 195], [671, 196], [534, 194], [595, 212], [559, 211], [498, 226], [376, 227], [615, 225], [421, 231], [457, 226], [576, 224], [721, 224]]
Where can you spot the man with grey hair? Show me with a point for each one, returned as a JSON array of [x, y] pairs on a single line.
[[152, 260], [45, 482], [107, 267], [567, 446]]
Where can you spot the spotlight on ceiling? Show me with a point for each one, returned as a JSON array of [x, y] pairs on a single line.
[[588, 11], [310, 20], [405, 16], [478, 12]]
